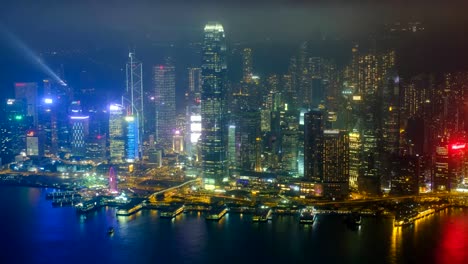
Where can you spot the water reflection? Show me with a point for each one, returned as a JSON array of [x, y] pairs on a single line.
[[453, 246], [395, 244]]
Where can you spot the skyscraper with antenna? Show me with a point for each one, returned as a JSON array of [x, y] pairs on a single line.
[[134, 103]]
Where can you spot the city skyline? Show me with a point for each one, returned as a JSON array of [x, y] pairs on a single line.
[[298, 130]]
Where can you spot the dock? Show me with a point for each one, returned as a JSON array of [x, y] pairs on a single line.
[[217, 212], [131, 208]]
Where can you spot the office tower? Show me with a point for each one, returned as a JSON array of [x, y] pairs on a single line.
[[391, 115], [313, 145], [354, 159], [194, 129], [112, 180], [96, 148], [194, 86], [117, 133], [405, 180], [449, 163], [34, 144], [232, 149], [28, 93], [131, 143], [247, 69], [14, 125], [135, 100], [178, 142], [164, 90], [48, 126], [79, 129], [265, 123], [213, 106], [335, 162], [289, 151], [247, 129]]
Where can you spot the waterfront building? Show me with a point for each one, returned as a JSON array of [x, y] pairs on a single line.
[[335, 162], [313, 145], [213, 107], [354, 159]]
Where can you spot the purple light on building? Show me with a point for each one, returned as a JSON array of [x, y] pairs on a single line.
[[112, 180]]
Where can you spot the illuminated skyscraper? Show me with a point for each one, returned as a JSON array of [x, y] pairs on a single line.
[[14, 126], [134, 74], [213, 106], [313, 145], [335, 162], [164, 85], [28, 93], [247, 65], [131, 144], [79, 129], [354, 159], [116, 133], [194, 85]]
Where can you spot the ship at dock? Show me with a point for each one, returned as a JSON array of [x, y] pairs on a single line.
[[88, 206], [171, 211], [131, 208], [307, 215], [217, 212], [262, 214]]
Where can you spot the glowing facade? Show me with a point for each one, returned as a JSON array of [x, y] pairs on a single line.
[[112, 180], [164, 85], [116, 133], [213, 106], [135, 97]]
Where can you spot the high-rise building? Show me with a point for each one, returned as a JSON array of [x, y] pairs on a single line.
[[79, 128], [164, 85], [178, 142], [313, 145], [116, 133], [34, 144], [213, 106], [14, 125], [335, 161], [131, 143], [194, 85], [28, 93], [247, 69], [135, 107], [354, 159]]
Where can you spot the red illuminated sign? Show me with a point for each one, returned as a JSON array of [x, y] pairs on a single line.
[[458, 146]]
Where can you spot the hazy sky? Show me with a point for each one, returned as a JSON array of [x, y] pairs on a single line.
[[46, 20]]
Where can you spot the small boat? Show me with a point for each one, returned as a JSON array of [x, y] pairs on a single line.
[[110, 231]]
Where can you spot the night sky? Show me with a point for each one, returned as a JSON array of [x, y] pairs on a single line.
[[106, 30]]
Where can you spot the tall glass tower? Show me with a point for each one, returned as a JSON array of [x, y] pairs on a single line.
[[213, 106], [164, 85]]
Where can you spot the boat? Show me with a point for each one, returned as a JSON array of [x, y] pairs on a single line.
[[83, 208], [263, 214], [307, 216], [217, 213], [110, 231], [354, 219], [172, 211]]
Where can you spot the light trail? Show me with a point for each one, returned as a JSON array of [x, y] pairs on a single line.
[[29, 54]]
